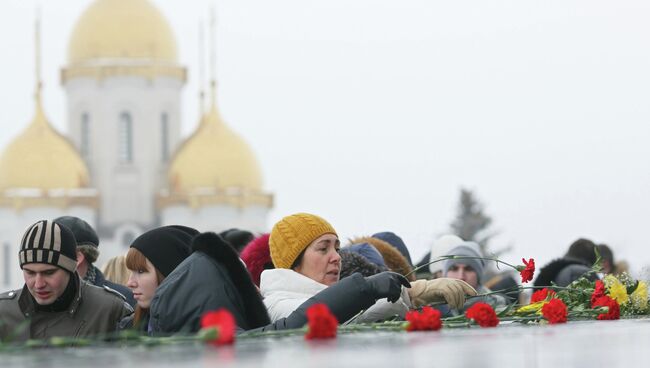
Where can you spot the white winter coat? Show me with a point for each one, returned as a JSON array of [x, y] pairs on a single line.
[[285, 290]]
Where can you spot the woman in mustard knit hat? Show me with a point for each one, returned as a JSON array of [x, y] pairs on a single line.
[[305, 252]]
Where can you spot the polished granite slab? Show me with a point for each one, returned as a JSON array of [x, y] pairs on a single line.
[[590, 344]]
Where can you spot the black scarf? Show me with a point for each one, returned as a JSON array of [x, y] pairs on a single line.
[[62, 302]]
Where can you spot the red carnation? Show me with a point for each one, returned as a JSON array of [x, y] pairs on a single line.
[[599, 292], [555, 311], [528, 271], [427, 320], [614, 310], [542, 294], [482, 314], [224, 322], [322, 323]]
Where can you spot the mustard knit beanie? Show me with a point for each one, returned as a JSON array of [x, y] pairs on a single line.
[[293, 234]]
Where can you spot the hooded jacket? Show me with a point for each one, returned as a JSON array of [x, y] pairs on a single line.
[[94, 311], [285, 290]]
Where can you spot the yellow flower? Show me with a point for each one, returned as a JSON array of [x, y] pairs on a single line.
[[640, 295], [534, 307], [616, 289]]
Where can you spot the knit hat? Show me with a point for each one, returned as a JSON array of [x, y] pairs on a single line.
[[467, 249], [441, 246], [293, 234], [257, 257], [397, 242], [394, 260], [368, 252], [51, 243], [166, 247], [83, 232]]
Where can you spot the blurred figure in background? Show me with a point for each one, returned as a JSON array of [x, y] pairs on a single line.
[[392, 257], [87, 254], [471, 270], [397, 243], [352, 262], [237, 238], [608, 265], [622, 266], [115, 270], [441, 247], [576, 262], [257, 257]]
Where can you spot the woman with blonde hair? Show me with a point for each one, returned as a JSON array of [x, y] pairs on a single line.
[[115, 270]]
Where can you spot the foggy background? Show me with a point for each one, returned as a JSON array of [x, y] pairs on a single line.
[[373, 114]]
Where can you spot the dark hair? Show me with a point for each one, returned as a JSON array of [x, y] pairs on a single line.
[[583, 250], [606, 253], [298, 260]]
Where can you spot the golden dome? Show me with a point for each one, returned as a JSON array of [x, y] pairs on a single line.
[[214, 157], [41, 158], [133, 29]]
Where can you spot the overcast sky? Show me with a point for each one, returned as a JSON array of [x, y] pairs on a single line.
[[374, 113]]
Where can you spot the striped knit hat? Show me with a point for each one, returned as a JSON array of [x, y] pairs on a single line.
[[293, 234], [48, 242]]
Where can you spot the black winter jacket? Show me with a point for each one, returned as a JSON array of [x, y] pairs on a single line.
[[214, 277], [101, 281], [563, 271]]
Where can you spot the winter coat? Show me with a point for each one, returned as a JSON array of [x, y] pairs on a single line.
[[94, 311], [211, 278], [285, 290], [562, 272], [126, 293]]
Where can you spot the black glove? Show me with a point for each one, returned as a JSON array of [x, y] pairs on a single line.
[[387, 285]]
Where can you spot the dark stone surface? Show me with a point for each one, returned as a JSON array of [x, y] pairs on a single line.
[[576, 344]]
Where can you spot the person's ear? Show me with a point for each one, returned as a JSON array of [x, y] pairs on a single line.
[[80, 258]]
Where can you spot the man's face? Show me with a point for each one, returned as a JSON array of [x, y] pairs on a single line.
[[463, 272], [45, 282]]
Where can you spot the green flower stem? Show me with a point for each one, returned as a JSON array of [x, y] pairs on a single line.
[[290, 332], [520, 287]]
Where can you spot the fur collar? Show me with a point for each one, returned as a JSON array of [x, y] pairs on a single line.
[[395, 261], [218, 249], [549, 272]]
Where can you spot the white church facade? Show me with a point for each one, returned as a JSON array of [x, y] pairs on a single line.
[[123, 165]]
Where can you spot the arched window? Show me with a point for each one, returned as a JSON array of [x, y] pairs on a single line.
[[126, 138], [84, 143], [164, 136]]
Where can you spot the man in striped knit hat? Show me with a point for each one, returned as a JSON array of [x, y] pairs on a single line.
[[54, 299]]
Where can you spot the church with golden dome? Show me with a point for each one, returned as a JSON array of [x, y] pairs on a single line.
[[123, 165]]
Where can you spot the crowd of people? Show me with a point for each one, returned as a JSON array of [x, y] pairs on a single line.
[[172, 275]]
